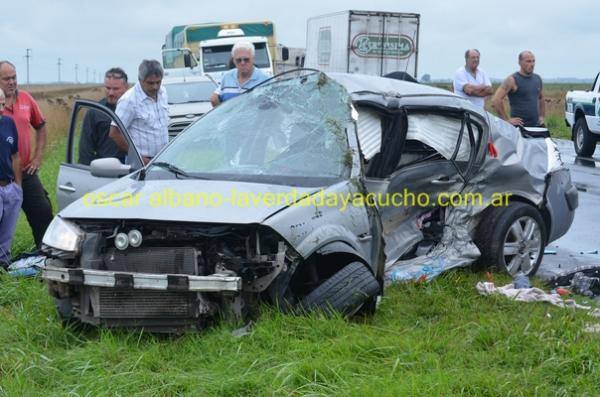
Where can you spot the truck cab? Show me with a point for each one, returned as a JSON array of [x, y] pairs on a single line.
[[215, 54]]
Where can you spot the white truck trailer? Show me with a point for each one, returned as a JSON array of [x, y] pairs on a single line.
[[366, 42]]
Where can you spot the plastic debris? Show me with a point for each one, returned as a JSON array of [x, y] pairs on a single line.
[[243, 331], [592, 328], [585, 285], [549, 252], [595, 252], [562, 291], [421, 273], [521, 281], [27, 267]]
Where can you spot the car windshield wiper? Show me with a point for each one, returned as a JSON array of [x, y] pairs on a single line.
[[175, 170]]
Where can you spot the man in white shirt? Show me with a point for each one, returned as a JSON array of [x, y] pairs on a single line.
[[471, 82], [144, 111]]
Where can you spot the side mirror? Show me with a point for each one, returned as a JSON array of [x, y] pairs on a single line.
[[109, 168], [285, 54], [187, 60]]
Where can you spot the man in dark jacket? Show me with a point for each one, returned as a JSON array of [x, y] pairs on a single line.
[[94, 141]]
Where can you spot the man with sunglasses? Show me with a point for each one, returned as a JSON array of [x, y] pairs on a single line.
[[242, 78], [27, 115]]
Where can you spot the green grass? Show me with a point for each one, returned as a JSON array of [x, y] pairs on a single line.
[[440, 338], [433, 339]]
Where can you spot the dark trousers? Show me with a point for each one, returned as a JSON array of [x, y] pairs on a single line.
[[36, 206]]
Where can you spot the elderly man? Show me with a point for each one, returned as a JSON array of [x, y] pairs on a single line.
[[242, 78], [471, 82], [525, 95], [26, 114], [144, 111], [94, 142]]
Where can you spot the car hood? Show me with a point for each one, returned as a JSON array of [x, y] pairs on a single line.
[[181, 109], [185, 201]]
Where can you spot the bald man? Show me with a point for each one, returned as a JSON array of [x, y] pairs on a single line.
[[525, 95]]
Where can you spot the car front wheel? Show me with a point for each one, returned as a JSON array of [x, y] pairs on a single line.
[[512, 238], [584, 141], [346, 292]]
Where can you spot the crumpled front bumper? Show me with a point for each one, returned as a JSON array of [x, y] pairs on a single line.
[[129, 280]]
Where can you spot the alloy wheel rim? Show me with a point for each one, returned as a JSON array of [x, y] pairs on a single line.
[[579, 137], [522, 245]]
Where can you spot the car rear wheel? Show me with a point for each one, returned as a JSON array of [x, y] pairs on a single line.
[[512, 238], [584, 141], [344, 292]]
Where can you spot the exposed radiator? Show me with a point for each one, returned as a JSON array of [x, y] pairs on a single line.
[[145, 303], [160, 260]]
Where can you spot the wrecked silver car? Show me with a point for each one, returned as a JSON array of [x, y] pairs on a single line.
[[307, 192]]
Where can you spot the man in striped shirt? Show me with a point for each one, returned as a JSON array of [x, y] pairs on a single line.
[[144, 111]]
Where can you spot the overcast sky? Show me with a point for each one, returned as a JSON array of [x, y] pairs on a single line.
[[100, 34]]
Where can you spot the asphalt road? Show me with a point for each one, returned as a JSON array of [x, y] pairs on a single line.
[[581, 245]]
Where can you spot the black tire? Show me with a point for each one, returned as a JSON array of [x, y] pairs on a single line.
[[345, 292], [584, 141], [496, 243]]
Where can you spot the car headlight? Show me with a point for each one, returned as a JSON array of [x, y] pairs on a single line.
[[63, 235]]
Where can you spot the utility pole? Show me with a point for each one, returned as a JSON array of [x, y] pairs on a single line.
[[94, 76], [27, 56], [76, 78], [87, 74], [59, 63]]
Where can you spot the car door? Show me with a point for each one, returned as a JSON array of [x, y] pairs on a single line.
[[75, 178], [434, 156]]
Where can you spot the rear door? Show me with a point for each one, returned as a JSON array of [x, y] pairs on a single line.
[[75, 178], [434, 158]]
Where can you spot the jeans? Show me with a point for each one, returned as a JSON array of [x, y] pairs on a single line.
[[11, 197]]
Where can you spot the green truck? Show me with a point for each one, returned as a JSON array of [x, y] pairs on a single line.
[[206, 47]]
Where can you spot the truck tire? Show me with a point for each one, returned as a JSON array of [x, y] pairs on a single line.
[[345, 292], [583, 140], [502, 240]]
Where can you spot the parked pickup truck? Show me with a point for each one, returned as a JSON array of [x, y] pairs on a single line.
[[582, 114]]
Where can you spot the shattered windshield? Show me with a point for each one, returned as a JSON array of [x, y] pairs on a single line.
[[285, 132]]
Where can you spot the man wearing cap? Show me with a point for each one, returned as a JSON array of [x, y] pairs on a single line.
[[239, 80], [25, 112]]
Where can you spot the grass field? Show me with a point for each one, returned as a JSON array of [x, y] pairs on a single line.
[[434, 339]]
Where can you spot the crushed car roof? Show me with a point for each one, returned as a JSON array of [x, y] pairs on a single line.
[[386, 89]]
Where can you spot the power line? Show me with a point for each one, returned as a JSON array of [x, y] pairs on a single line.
[[59, 63], [27, 56]]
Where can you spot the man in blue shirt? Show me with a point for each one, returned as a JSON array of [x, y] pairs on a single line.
[[11, 194], [242, 78]]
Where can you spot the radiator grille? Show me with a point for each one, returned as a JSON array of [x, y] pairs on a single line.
[[176, 127], [159, 260], [145, 304]]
